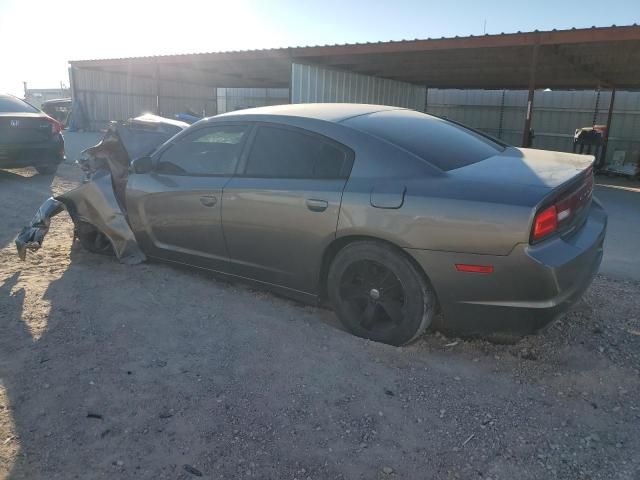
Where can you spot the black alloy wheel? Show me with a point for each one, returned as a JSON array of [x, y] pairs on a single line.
[[379, 294]]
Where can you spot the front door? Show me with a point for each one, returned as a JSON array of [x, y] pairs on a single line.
[[175, 211], [281, 210]]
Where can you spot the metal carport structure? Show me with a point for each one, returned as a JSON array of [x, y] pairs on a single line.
[[592, 58]]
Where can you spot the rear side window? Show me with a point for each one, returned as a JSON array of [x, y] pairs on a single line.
[[444, 144], [284, 153], [12, 104]]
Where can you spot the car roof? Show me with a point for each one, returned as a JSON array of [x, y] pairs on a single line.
[[330, 112]]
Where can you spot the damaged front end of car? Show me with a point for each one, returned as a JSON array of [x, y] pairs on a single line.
[[97, 207]]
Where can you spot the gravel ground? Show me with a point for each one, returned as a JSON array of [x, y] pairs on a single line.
[[152, 371]]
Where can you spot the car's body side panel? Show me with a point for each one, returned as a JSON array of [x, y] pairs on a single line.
[[435, 217], [176, 212], [276, 229], [178, 217], [526, 289]]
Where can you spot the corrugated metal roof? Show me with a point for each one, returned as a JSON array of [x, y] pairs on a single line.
[[575, 58], [287, 50]]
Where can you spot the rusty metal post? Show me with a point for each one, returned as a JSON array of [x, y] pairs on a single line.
[[526, 134], [609, 116], [504, 92], [596, 108]]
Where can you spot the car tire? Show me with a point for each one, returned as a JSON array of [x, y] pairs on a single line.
[[378, 293], [92, 239], [46, 169]]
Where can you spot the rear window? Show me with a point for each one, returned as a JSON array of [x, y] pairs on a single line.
[[12, 104], [444, 144]]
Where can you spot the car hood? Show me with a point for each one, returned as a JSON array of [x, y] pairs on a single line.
[[526, 166]]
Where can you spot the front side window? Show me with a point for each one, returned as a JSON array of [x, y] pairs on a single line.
[[207, 151], [285, 153]]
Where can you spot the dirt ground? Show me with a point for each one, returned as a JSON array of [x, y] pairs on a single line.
[[152, 371]]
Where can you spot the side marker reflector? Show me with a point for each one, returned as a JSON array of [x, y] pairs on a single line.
[[464, 267]]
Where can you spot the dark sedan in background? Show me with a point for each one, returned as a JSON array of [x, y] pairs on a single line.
[[391, 214], [29, 137]]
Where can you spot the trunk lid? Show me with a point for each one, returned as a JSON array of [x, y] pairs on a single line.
[[525, 166], [21, 128], [560, 180]]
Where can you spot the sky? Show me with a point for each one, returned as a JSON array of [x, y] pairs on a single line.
[[39, 37]]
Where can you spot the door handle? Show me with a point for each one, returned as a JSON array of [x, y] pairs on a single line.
[[317, 205], [208, 200]]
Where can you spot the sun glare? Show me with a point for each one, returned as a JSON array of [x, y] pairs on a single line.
[[123, 29]]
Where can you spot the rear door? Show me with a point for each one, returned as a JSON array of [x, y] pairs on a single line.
[[175, 210], [281, 210]]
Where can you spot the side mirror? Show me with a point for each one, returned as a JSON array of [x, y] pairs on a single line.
[[142, 165]]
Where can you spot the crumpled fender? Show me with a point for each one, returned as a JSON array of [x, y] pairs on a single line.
[[95, 203], [99, 201], [92, 203]]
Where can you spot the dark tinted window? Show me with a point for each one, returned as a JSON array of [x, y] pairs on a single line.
[[12, 104], [207, 151], [441, 143], [285, 153]]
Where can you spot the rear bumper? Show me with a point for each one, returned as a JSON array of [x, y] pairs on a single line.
[[32, 154], [528, 288]]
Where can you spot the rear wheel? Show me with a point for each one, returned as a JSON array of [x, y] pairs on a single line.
[[378, 293]]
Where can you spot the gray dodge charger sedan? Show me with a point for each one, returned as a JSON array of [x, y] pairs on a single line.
[[391, 214]]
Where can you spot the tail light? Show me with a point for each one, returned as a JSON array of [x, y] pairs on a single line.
[[545, 223], [56, 126], [564, 210]]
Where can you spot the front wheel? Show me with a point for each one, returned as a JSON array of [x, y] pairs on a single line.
[[379, 294], [92, 239], [46, 169]]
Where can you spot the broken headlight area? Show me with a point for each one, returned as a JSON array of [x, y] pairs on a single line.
[[97, 207]]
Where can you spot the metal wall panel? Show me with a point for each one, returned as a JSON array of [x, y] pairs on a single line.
[[175, 97], [556, 115], [625, 123], [230, 99], [108, 96], [498, 112], [313, 84]]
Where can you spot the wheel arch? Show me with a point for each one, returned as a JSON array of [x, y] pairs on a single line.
[[339, 243]]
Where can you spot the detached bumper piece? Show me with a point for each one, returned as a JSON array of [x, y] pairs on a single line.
[[31, 236]]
